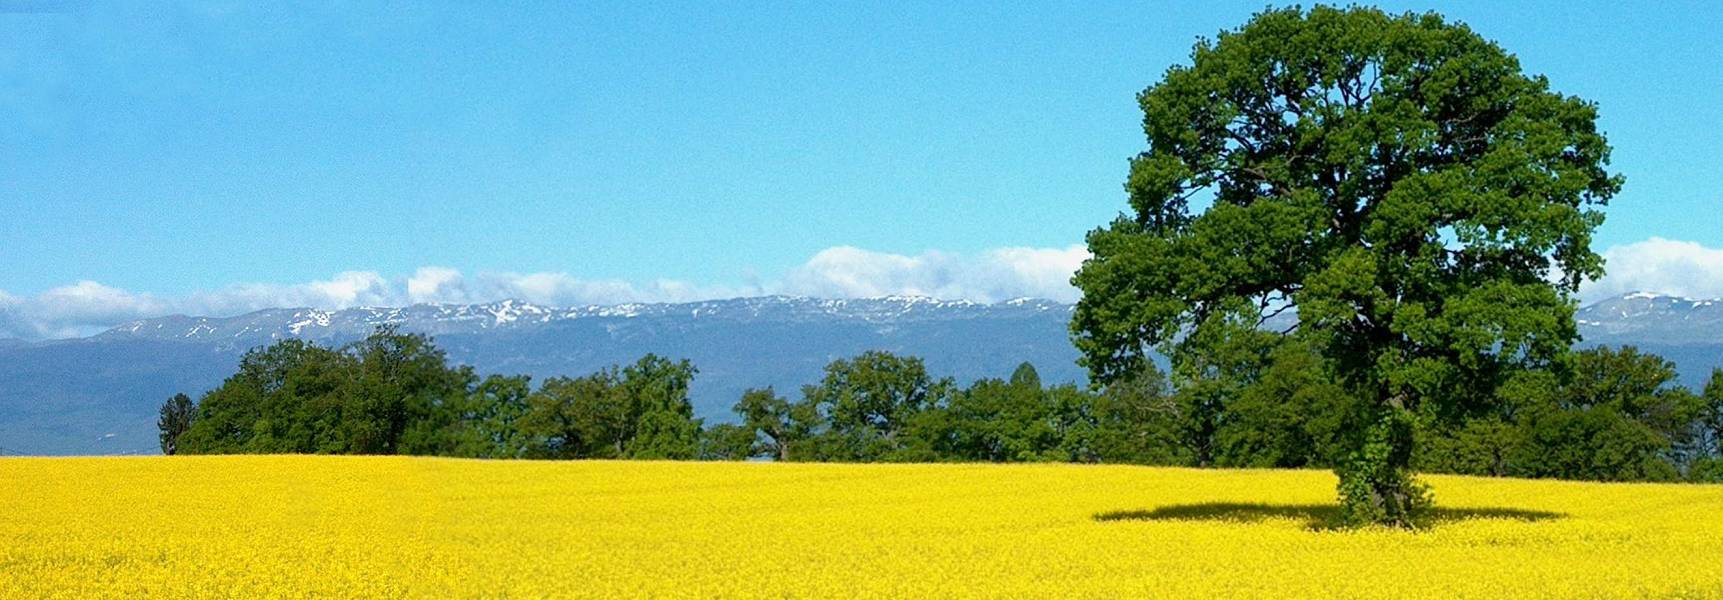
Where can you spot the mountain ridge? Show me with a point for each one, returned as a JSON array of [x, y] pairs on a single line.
[[1625, 313], [312, 323], [1673, 319]]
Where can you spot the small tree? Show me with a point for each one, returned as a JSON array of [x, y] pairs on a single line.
[[875, 407], [663, 424], [1008, 421], [1137, 421], [1619, 416], [177, 415], [776, 425], [1709, 466], [726, 441], [575, 417], [1711, 416], [1422, 206]]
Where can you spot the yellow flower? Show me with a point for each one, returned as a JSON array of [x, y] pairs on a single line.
[[389, 527]]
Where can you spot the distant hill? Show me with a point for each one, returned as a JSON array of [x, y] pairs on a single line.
[[99, 395], [1685, 330], [1641, 317]]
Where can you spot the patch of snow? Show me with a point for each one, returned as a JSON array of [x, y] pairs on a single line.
[[504, 312], [308, 318]]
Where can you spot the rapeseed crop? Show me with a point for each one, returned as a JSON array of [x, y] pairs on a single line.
[[296, 527]]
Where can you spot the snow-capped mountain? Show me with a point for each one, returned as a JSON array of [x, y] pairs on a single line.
[[262, 326], [1647, 317]]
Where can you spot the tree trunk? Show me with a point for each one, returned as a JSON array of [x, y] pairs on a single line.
[[1376, 483]]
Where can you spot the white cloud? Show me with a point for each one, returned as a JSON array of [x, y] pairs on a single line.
[[562, 289], [1040, 272], [992, 276], [435, 284], [81, 308], [88, 307], [354, 288], [1661, 266], [846, 271]]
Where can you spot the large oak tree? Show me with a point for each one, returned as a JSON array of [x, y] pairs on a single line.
[[1421, 205]]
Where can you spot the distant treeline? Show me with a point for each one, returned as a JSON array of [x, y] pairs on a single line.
[[1608, 414]]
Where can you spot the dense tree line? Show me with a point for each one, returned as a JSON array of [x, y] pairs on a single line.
[[395, 393], [1606, 414], [1601, 414]]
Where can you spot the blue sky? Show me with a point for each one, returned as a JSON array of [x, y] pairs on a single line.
[[175, 157]]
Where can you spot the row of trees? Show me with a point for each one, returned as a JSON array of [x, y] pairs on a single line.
[[395, 393], [1604, 414], [1607, 414], [882, 407]]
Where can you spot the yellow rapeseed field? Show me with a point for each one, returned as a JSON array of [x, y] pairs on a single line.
[[288, 526]]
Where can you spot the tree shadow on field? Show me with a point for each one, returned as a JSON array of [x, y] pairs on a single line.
[[1316, 517]]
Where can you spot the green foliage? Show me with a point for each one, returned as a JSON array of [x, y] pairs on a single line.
[[496, 409], [1592, 443], [290, 397], [1619, 416], [660, 421], [1394, 178], [1273, 402], [176, 417], [1136, 420], [1707, 470], [1373, 487], [1606, 414], [1479, 446], [875, 407], [399, 379], [575, 417], [484, 423], [1710, 435], [641, 411], [1292, 414], [778, 425], [1013, 421], [726, 441], [394, 393]]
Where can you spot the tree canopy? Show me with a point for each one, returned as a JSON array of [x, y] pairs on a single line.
[[1420, 207]]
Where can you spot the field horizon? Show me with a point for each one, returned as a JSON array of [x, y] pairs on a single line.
[[247, 526]]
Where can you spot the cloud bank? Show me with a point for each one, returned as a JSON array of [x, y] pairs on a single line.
[[1661, 266], [88, 307], [992, 276]]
